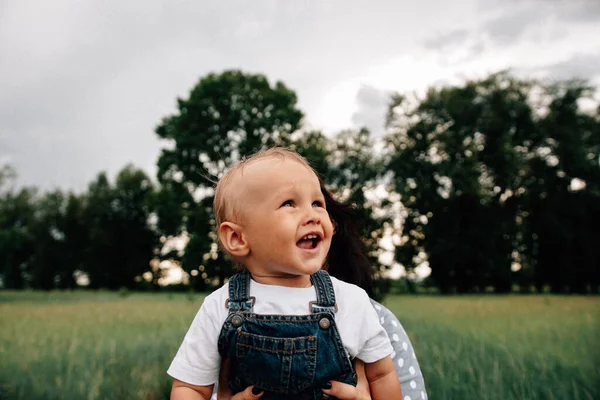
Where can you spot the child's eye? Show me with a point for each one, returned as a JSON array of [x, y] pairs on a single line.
[[318, 203], [288, 203]]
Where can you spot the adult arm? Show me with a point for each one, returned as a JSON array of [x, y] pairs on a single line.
[[404, 357]]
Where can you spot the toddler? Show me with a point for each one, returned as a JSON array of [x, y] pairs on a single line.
[[284, 325]]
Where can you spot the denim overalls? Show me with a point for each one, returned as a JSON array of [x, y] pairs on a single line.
[[287, 356]]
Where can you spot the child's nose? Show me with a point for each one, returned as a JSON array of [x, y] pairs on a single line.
[[312, 216]]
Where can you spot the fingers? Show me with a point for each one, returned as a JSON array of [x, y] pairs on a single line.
[[248, 394], [342, 391], [339, 390]]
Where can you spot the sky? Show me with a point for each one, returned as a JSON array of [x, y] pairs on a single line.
[[83, 84]]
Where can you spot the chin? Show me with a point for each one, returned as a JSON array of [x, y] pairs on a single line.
[[312, 268], [307, 265]]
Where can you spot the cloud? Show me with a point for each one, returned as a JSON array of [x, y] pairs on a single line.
[[510, 27], [371, 109], [504, 28], [512, 23], [85, 83], [455, 37], [582, 66], [501, 29], [584, 11]]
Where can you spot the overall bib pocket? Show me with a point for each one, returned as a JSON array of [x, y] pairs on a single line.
[[291, 362]]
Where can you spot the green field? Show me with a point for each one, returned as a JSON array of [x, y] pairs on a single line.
[[86, 345]]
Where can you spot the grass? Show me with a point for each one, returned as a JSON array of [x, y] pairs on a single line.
[[511, 347], [86, 345]]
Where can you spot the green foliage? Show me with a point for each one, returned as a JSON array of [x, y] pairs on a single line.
[[75, 229], [49, 243], [561, 249], [349, 167], [499, 184], [121, 240], [484, 172], [45, 239], [17, 238], [225, 117], [7, 177]]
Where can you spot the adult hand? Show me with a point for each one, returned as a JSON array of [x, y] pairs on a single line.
[[223, 391], [339, 390], [344, 391], [247, 394]]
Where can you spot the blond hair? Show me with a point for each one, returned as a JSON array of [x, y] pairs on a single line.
[[226, 207]]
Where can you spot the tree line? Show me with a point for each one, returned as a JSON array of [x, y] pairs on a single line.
[[494, 183]]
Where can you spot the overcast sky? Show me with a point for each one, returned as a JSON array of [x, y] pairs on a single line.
[[84, 83]]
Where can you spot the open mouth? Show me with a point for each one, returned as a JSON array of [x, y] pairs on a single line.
[[309, 242]]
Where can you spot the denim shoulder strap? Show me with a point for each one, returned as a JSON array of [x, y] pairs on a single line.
[[239, 293], [325, 293]]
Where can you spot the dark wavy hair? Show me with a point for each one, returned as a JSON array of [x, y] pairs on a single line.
[[347, 259]]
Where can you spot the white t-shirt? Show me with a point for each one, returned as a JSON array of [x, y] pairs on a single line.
[[198, 361]]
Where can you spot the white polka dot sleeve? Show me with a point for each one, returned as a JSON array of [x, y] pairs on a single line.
[[405, 360]]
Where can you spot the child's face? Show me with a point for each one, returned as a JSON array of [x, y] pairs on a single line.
[[284, 221]]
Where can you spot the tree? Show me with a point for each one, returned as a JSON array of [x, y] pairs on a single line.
[[7, 178], [348, 166], [560, 247], [225, 117], [122, 241], [355, 171], [100, 220], [49, 247], [16, 236], [76, 238], [476, 166], [41, 237]]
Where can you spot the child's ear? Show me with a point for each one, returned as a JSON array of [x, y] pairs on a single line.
[[334, 225], [233, 240]]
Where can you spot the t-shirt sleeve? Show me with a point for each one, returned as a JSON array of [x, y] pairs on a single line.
[[374, 341], [197, 361]]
